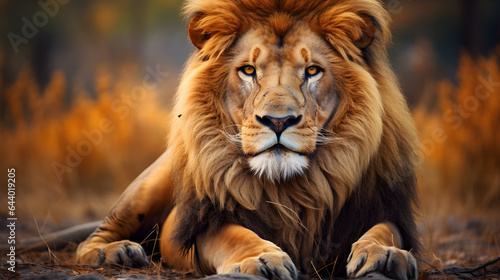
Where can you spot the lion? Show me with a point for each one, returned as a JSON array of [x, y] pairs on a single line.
[[291, 150]]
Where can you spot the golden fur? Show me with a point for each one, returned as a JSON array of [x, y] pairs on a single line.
[[343, 173]]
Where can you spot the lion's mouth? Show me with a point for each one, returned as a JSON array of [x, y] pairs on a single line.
[[278, 149], [278, 163]]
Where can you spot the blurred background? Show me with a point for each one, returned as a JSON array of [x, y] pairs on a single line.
[[86, 87]]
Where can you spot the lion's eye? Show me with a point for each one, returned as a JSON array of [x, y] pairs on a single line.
[[312, 71], [247, 70]]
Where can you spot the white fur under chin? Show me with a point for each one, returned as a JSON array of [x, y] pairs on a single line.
[[278, 166]]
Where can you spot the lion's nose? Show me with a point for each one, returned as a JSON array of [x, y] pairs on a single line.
[[278, 125]]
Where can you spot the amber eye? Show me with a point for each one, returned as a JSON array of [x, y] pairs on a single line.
[[248, 70], [312, 71]]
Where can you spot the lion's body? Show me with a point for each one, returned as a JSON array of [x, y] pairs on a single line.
[[291, 141]]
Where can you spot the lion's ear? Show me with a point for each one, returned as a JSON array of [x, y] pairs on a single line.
[[196, 34], [368, 33]]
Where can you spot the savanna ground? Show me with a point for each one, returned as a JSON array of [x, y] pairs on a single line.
[[72, 161]]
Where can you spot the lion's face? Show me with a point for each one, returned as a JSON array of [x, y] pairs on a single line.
[[281, 95]]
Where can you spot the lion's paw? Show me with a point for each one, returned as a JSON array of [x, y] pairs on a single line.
[[369, 257], [275, 265], [126, 253]]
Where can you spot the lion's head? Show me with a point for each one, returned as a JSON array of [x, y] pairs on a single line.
[[281, 96], [287, 107]]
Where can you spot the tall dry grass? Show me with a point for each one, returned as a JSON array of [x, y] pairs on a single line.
[[461, 136], [75, 153], [460, 178]]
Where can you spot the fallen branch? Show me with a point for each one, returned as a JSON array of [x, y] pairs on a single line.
[[56, 240], [491, 268]]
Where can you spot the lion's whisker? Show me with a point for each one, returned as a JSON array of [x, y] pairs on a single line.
[[234, 138], [325, 136]]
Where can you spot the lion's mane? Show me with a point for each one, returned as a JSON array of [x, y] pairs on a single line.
[[364, 177]]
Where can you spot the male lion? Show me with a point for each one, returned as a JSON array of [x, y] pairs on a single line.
[[291, 149]]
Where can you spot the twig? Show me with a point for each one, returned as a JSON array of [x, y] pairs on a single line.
[[317, 273], [482, 269], [51, 254]]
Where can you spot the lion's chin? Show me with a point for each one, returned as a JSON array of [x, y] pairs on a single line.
[[278, 165]]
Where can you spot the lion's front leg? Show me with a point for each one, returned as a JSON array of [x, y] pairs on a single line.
[[378, 250], [138, 208], [235, 249]]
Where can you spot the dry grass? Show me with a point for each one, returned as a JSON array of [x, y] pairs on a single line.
[[73, 158], [33, 264], [461, 140], [460, 178]]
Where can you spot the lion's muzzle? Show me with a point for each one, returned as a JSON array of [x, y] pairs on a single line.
[[278, 125]]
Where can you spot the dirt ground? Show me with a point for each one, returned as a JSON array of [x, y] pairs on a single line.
[[454, 248]]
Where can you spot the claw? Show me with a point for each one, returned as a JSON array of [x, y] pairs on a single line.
[[269, 265], [368, 257]]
